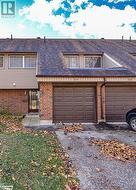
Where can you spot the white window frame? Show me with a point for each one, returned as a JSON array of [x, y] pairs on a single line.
[[10, 65], [23, 63], [3, 61], [71, 56], [94, 57], [82, 58]]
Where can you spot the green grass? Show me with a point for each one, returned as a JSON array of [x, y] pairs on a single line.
[[31, 161]]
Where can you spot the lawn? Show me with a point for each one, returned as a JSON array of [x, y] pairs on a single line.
[[31, 160]]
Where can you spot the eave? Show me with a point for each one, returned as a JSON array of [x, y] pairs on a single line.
[[86, 79]]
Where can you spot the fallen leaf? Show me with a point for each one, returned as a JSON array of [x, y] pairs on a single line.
[[115, 149]]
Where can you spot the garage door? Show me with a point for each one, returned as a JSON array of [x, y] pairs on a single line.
[[74, 104], [119, 100]]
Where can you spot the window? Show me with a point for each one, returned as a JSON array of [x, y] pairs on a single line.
[[16, 61], [1, 61], [72, 61], [83, 61], [30, 61], [92, 62], [22, 61]]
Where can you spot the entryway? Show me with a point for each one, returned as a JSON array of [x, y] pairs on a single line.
[[33, 103]]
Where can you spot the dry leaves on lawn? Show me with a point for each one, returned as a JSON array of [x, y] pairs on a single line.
[[13, 123], [115, 149]]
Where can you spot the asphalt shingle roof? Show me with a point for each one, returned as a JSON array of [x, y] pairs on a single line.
[[51, 60]]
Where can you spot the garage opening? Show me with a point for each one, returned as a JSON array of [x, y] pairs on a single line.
[[74, 104], [119, 100]]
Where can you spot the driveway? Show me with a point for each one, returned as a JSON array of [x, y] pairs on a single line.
[[96, 171]]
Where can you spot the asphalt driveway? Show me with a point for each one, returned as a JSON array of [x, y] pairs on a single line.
[[96, 171]]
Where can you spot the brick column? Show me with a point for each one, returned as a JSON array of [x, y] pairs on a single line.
[[100, 93], [98, 100], [46, 102], [103, 94]]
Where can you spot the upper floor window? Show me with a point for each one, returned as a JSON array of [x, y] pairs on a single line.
[[72, 61], [83, 61], [1, 61], [92, 61], [22, 61]]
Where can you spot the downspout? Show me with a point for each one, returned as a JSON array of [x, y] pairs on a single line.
[[102, 107]]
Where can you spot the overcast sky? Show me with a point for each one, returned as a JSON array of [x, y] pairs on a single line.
[[71, 19]]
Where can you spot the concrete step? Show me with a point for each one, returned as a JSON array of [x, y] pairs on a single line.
[[31, 120]]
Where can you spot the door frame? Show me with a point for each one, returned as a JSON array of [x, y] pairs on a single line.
[[32, 110]]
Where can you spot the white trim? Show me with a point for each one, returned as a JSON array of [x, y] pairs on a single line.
[[86, 79], [120, 79], [70, 79], [37, 59], [23, 61]]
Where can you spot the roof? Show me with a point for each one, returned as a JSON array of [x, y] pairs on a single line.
[[51, 61]]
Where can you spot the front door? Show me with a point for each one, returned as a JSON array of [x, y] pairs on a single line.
[[33, 101]]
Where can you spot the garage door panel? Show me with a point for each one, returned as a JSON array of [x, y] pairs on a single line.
[[70, 99], [123, 107], [115, 118], [66, 112], [74, 94], [77, 104], [119, 100], [74, 104], [72, 90], [76, 108]]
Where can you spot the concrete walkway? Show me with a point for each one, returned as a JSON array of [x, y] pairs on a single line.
[[31, 121]]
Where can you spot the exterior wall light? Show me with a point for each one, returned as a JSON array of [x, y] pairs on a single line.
[[14, 84]]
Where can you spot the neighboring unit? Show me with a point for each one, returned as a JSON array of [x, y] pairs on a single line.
[[68, 80]]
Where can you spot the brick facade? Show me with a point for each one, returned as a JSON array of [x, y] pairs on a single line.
[[100, 98], [14, 101], [46, 101]]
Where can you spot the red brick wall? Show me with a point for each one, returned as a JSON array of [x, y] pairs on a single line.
[[14, 101], [46, 101]]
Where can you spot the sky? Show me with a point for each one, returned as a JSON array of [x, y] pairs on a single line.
[[110, 19]]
